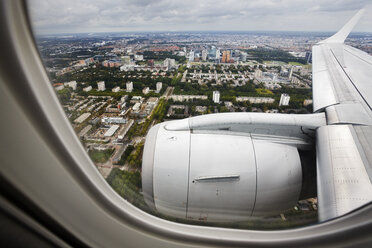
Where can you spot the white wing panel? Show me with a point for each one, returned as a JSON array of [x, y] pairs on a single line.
[[323, 91], [342, 179]]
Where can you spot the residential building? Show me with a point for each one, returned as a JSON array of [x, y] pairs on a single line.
[[191, 56], [159, 85], [86, 89], [101, 86], [116, 89], [258, 73], [225, 57], [113, 120], [169, 63], [216, 96], [146, 90], [125, 60], [129, 86], [284, 100], [204, 55], [71, 84]]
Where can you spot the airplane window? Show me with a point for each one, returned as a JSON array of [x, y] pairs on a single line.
[[190, 121]]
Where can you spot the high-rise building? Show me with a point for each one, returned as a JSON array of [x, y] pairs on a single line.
[[101, 86], [169, 63], [191, 56], [204, 55], [129, 86], [216, 96], [284, 100], [243, 56], [218, 54], [309, 57], [71, 84], [225, 57], [159, 85], [290, 73]]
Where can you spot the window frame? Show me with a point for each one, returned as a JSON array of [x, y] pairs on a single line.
[[113, 221]]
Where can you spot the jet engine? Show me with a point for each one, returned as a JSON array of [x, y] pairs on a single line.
[[195, 170]]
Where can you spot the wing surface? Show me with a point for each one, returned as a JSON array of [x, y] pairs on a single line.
[[342, 88]]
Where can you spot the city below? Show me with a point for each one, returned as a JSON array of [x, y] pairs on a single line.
[[115, 87]]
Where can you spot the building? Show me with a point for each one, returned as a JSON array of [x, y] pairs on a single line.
[[116, 89], [290, 73], [86, 89], [136, 107], [225, 57], [218, 54], [258, 73], [146, 90], [129, 86], [284, 100], [82, 118], [138, 57], [181, 98], [243, 56], [308, 102], [255, 100], [127, 68], [216, 96], [59, 87], [204, 55], [191, 56], [159, 85], [111, 130], [152, 101], [169, 63], [101, 86], [71, 84], [136, 99], [111, 63], [309, 57], [125, 60], [113, 120]]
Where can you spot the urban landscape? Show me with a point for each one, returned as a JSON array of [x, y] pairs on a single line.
[[114, 87]]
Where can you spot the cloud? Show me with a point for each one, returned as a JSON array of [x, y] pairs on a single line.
[[50, 16]]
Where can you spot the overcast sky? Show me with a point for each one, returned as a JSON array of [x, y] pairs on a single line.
[[72, 16]]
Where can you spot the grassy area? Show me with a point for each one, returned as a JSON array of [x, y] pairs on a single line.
[[100, 156], [295, 63], [274, 63], [264, 91], [128, 185]]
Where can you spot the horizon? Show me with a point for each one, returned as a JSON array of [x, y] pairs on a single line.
[[92, 16], [202, 31]]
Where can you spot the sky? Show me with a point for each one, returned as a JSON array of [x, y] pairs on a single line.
[[85, 16]]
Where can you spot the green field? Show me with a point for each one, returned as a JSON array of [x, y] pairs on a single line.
[[295, 63], [100, 156], [264, 91]]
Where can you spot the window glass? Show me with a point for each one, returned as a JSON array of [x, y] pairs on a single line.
[[129, 73]]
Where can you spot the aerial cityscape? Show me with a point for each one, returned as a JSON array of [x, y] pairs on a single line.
[[114, 87]]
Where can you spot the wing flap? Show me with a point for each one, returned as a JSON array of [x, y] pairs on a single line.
[[342, 179]]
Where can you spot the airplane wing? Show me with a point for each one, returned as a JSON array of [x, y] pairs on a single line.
[[342, 88]]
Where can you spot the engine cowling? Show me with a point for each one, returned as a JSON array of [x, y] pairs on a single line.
[[218, 176]]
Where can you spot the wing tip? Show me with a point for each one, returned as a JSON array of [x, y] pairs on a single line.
[[344, 32]]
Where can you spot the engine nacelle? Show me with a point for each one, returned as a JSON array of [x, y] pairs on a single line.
[[218, 176]]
